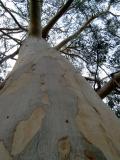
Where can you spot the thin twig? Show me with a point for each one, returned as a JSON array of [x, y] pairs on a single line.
[[7, 10], [9, 56]]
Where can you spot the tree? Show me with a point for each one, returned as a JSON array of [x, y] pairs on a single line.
[[48, 111], [95, 49]]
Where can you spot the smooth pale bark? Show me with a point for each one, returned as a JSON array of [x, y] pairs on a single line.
[[49, 112]]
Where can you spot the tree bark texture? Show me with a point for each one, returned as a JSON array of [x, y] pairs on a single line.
[[49, 112]]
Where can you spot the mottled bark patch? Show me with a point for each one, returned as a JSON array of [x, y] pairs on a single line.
[[4, 154], [45, 99], [26, 130], [64, 148]]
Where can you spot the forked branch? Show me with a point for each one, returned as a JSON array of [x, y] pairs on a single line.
[[11, 56], [74, 35], [77, 33], [10, 13], [52, 22]]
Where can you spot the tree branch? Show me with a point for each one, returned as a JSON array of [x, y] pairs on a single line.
[[111, 85], [10, 29], [9, 56], [35, 17], [74, 35], [7, 10], [52, 22], [65, 41], [14, 39], [74, 55]]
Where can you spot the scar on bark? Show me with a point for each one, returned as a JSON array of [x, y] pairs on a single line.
[[64, 148]]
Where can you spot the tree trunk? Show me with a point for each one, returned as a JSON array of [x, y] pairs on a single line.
[[49, 112]]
